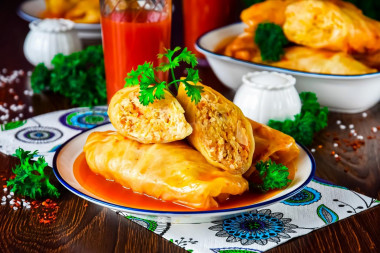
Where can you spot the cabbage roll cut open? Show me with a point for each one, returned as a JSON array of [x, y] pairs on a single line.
[[171, 172], [161, 122], [220, 130]]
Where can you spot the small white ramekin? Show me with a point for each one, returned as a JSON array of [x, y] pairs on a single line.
[[268, 95]]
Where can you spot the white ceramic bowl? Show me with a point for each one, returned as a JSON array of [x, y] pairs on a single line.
[[31, 9], [350, 94]]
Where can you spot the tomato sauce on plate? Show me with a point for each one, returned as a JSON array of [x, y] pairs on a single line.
[[115, 193]]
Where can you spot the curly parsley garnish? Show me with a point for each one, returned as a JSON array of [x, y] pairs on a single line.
[[271, 40], [30, 178], [270, 176], [152, 88], [79, 76], [312, 119]]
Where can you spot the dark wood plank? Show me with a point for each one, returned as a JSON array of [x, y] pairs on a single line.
[[80, 227], [357, 169]]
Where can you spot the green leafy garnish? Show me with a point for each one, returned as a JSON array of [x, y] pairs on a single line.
[[152, 88], [79, 76], [40, 78], [30, 178], [312, 119], [270, 176], [271, 40]]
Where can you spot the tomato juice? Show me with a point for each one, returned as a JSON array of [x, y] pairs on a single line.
[[131, 38]]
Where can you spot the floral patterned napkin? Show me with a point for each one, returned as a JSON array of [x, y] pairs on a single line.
[[317, 205]]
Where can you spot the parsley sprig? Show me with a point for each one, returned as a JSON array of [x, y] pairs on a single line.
[[152, 88], [31, 180], [310, 120], [271, 40], [270, 176], [79, 76]]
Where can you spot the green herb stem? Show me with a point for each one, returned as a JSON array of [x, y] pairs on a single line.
[[174, 80], [151, 88]]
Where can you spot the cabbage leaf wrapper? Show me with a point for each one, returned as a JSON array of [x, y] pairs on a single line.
[[272, 11], [171, 172], [301, 58], [333, 25], [275, 145], [221, 132]]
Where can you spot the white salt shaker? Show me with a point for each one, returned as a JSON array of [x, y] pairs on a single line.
[[49, 37], [268, 95]]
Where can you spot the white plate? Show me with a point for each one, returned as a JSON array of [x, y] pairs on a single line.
[[31, 9], [63, 170], [350, 94]]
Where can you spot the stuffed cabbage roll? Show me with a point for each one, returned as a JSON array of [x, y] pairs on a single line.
[[220, 130], [274, 145], [299, 58], [321, 61], [334, 25], [268, 11], [171, 172], [244, 48], [161, 122]]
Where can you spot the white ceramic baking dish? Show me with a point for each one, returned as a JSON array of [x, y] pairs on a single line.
[[350, 94]]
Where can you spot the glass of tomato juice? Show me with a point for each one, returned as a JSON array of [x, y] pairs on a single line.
[[134, 32]]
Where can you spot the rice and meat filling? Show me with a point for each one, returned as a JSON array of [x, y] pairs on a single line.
[[153, 123], [226, 140]]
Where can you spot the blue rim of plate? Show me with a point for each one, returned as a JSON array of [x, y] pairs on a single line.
[[267, 67], [147, 212]]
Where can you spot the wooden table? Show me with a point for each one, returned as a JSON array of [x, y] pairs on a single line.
[[86, 227]]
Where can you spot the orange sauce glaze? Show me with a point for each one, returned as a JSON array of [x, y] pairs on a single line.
[[117, 194], [221, 47]]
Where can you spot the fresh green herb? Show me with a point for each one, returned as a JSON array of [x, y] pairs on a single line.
[[271, 41], [312, 119], [370, 8], [152, 88], [79, 76], [12, 125], [31, 179], [270, 176], [40, 78]]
